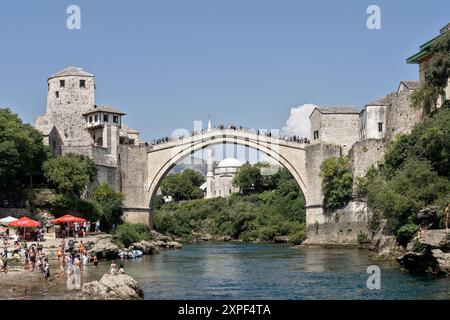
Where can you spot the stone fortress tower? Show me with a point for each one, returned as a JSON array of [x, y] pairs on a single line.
[[73, 123], [70, 92]]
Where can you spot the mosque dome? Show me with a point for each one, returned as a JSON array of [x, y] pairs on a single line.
[[229, 163]]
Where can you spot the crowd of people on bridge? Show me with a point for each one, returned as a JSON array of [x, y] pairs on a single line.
[[266, 133]]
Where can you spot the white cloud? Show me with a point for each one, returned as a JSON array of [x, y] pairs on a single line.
[[298, 122]]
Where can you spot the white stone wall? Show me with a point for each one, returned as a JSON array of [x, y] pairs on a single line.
[[370, 117], [223, 182]]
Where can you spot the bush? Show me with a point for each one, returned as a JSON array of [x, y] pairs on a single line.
[[363, 238], [298, 237], [417, 246], [66, 204], [337, 182], [405, 233], [128, 233], [109, 204], [165, 222]]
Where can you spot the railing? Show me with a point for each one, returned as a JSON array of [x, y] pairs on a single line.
[[230, 131]]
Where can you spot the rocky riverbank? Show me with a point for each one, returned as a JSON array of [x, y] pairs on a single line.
[[428, 254], [19, 283]]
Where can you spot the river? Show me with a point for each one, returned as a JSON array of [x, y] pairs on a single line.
[[267, 271]]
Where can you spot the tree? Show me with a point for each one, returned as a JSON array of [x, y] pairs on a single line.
[[109, 204], [428, 141], [70, 173], [436, 75], [248, 179], [337, 182], [196, 178], [398, 198], [21, 154], [183, 186]]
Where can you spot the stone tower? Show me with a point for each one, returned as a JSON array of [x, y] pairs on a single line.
[[71, 92]]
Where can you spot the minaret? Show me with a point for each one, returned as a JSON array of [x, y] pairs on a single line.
[[210, 173]]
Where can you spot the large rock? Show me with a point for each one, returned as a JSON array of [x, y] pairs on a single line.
[[117, 287], [430, 217], [146, 247], [281, 239], [386, 249], [155, 235], [434, 255], [104, 248], [437, 239], [168, 245]]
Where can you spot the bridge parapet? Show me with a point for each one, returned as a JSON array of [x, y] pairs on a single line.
[[261, 137]]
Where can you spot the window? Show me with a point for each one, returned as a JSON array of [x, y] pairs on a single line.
[[105, 118], [62, 83], [96, 118], [90, 119], [57, 94], [116, 119], [316, 134], [82, 83], [380, 126]]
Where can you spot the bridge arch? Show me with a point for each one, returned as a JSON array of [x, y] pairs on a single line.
[[163, 157]]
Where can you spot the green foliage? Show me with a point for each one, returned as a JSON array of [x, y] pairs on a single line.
[[109, 204], [248, 179], [158, 202], [70, 173], [298, 237], [337, 182], [128, 233], [428, 140], [183, 186], [21, 154], [374, 223], [426, 97], [68, 204], [398, 198], [406, 232], [417, 246], [436, 75], [278, 211], [363, 238]]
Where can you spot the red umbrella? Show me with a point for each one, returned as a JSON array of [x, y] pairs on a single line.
[[24, 222], [69, 218]]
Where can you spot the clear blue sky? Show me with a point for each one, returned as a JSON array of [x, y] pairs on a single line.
[[168, 63]]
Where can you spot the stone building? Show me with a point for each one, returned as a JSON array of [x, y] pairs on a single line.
[[219, 181], [337, 125], [373, 119]]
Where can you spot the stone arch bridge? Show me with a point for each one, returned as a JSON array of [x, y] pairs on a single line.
[[161, 158]]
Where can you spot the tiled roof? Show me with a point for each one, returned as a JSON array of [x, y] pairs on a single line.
[[411, 84], [104, 108], [71, 71], [332, 110], [380, 102], [127, 129]]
